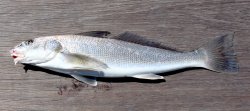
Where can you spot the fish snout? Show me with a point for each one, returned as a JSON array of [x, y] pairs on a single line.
[[13, 53], [16, 56]]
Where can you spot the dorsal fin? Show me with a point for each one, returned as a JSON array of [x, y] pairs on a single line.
[[101, 34], [134, 38]]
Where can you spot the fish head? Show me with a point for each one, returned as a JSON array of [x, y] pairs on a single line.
[[34, 51]]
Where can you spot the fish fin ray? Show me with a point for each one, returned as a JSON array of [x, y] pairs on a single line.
[[134, 38], [148, 76], [219, 54], [101, 34], [88, 80], [83, 62]]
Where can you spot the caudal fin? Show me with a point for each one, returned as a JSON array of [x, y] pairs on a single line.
[[219, 54]]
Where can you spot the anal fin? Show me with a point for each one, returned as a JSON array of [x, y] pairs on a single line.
[[91, 81], [148, 76]]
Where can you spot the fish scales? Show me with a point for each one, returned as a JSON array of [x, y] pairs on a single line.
[[119, 53]]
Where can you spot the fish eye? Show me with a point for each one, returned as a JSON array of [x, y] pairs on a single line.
[[27, 42]]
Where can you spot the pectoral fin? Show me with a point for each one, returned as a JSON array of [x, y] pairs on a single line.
[[148, 76], [91, 81], [82, 62]]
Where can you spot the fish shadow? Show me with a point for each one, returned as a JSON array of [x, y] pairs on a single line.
[[35, 68], [110, 80]]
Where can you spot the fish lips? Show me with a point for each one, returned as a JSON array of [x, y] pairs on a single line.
[[16, 56]]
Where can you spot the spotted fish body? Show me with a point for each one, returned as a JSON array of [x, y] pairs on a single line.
[[83, 55]]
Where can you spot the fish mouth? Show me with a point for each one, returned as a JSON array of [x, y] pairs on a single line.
[[17, 57], [14, 56]]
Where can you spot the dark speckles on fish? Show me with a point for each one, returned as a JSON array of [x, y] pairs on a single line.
[[93, 54]]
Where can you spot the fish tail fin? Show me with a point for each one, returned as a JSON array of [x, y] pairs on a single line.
[[218, 54]]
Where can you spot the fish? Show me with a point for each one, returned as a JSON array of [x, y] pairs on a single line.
[[88, 55]]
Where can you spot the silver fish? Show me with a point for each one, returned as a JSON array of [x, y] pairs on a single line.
[[92, 54]]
